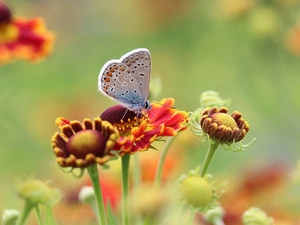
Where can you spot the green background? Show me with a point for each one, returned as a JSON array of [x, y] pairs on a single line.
[[194, 47]]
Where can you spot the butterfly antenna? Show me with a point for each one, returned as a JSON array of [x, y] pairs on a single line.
[[172, 107]]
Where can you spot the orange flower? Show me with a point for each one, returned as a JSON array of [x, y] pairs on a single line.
[[138, 131], [83, 144], [23, 38]]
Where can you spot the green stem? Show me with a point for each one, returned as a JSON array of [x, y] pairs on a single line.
[[125, 188], [136, 180], [136, 172], [93, 172], [191, 217], [49, 218], [161, 162], [209, 156], [218, 221], [27, 208], [38, 214]]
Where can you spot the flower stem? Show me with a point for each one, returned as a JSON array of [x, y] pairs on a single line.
[[125, 171], [27, 208], [191, 217], [93, 172], [136, 172], [136, 180], [218, 221], [161, 162], [38, 214], [208, 158]]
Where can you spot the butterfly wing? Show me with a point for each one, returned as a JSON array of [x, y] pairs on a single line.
[[117, 81], [139, 63]]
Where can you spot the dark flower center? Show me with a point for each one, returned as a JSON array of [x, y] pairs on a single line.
[[123, 118], [85, 142], [5, 14]]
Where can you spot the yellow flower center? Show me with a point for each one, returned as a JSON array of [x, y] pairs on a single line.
[[224, 119], [85, 142], [8, 33], [196, 191]]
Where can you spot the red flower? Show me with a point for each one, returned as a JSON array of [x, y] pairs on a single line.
[[140, 131], [23, 38]]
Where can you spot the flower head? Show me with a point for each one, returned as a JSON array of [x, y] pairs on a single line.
[[223, 127], [5, 13], [256, 216], [37, 192], [23, 38], [139, 130], [80, 145], [198, 192]]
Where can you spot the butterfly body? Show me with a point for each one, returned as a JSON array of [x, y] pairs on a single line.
[[127, 80]]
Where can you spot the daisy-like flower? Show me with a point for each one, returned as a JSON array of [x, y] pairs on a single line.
[[223, 127], [82, 144], [218, 126], [23, 38], [138, 131]]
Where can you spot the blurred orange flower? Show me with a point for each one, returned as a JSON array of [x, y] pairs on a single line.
[[293, 40], [23, 38]]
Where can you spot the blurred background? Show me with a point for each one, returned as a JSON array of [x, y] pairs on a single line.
[[246, 50]]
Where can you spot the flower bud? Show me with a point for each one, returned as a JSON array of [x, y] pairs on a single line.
[[255, 216], [10, 216]]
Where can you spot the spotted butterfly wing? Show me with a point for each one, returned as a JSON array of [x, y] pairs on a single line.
[[139, 63], [127, 80]]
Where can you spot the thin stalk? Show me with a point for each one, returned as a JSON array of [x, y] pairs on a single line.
[[191, 217], [125, 188], [38, 214], [218, 221], [136, 174], [27, 208], [93, 172], [136, 180], [209, 156], [161, 162]]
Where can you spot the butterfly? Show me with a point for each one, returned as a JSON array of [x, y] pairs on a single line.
[[126, 80]]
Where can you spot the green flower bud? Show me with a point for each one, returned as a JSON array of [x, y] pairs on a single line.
[[255, 216], [37, 192], [10, 216], [212, 98]]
